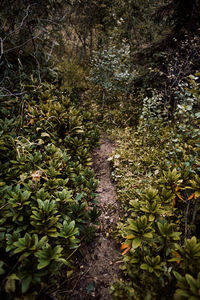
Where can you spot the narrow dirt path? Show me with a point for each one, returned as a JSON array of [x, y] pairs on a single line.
[[100, 266]]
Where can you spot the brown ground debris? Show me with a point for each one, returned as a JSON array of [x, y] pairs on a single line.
[[100, 265]]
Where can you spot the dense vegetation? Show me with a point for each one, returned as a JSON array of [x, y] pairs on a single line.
[[134, 68], [47, 188], [47, 184], [157, 173]]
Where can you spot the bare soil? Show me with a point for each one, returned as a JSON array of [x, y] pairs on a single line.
[[100, 265]]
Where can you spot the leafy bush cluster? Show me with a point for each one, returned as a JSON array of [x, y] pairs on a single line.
[[47, 188], [157, 171]]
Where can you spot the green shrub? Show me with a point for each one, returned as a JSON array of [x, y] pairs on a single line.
[[47, 189], [156, 170]]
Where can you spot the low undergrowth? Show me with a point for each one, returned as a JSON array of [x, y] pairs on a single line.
[[47, 189], [156, 170]]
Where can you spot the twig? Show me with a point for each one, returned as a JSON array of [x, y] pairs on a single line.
[[13, 95], [73, 252], [21, 24], [50, 53], [23, 44], [1, 47], [3, 206]]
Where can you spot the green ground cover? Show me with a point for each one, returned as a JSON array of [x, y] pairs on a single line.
[[47, 189], [156, 170]]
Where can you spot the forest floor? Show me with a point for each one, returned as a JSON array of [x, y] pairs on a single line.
[[100, 265]]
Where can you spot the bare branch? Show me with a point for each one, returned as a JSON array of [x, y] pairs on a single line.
[[23, 44], [50, 53], [21, 24], [1, 53], [10, 94]]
